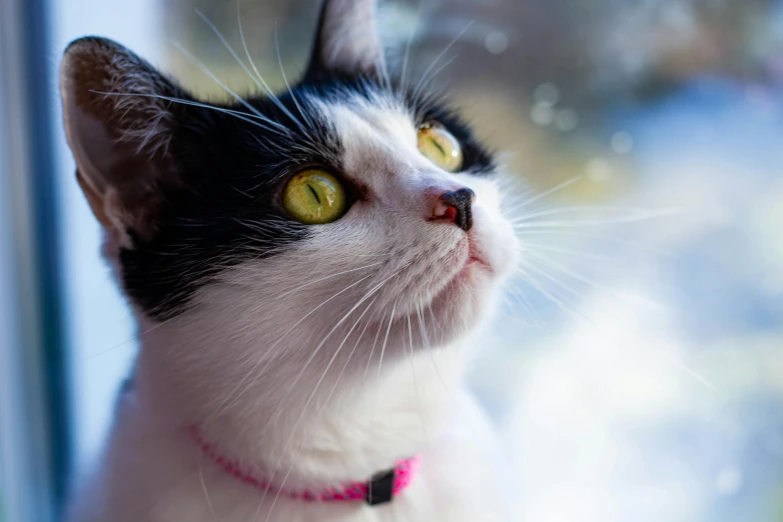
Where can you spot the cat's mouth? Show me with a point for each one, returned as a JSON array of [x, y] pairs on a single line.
[[474, 261], [468, 258], [477, 257]]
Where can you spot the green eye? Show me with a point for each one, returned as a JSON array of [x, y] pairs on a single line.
[[440, 147], [315, 197]]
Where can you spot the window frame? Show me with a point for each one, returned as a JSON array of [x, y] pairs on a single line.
[[35, 441]]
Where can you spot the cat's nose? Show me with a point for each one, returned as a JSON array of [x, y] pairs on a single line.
[[455, 206]]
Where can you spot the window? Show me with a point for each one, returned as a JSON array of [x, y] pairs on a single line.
[[100, 334], [638, 358]]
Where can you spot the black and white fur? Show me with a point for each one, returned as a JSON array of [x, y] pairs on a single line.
[[315, 354]]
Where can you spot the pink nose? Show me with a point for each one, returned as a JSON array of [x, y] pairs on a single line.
[[455, 207]]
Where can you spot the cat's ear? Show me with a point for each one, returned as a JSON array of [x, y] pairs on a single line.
[[347, 40], [119, 126]]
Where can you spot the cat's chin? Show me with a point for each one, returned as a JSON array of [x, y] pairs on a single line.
[[461, 305]]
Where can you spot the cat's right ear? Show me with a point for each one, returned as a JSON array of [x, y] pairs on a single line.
[[119, 125]]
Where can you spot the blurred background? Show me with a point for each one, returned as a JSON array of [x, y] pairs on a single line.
[[636, 367]]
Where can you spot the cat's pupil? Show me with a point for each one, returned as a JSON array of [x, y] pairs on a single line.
[[315, 194]]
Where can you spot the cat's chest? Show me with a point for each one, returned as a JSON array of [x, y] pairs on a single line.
[[459, 479], [456, 484]]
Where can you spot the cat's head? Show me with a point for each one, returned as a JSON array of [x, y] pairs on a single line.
[[348, 201]]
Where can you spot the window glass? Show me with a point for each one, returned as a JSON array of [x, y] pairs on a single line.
[[2, 508], [637, 358], [101, 335]]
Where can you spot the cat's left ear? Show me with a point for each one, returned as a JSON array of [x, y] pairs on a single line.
[[347, 41], [119, 124]]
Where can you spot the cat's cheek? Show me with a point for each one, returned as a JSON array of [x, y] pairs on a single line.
[[507, 248], [493, 233], [495, 238]]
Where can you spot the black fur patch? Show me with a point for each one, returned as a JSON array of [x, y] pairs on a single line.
[[227, 209]]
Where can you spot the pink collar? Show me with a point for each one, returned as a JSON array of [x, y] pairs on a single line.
[[379, 489]]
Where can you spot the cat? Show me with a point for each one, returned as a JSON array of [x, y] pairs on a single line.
[[307, 272]]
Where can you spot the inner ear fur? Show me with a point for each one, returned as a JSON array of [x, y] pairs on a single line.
[[347, 41], [119, 123]]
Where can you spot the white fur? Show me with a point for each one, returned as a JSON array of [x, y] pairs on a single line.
[[279, 362], [349, 38], [131, 90]]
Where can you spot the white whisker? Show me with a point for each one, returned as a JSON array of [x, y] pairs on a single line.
[[309, 361], [552, 279], [351, 354], [264, 85], [575, 209], [136, 337], [372, 352], [592, 235], [554, 189], [260, 84], [426, 81], [534, 247], [442, 53], [593, 223], [543, 290], [582, 279], [282, 130], [529, 308], [380, 360], [255, 366], [415, 381], [406, 55], [204, 487], [244, 116], [307, 404], [310, 283], [285, 80], [320, 345]]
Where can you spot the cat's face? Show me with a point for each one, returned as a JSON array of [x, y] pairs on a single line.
[[345, 203], [394, 255]]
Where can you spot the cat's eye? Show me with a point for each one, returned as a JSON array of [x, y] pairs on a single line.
[[440, 147], [315, 197]]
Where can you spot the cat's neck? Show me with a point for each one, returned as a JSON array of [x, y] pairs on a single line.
[[322, 421]]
